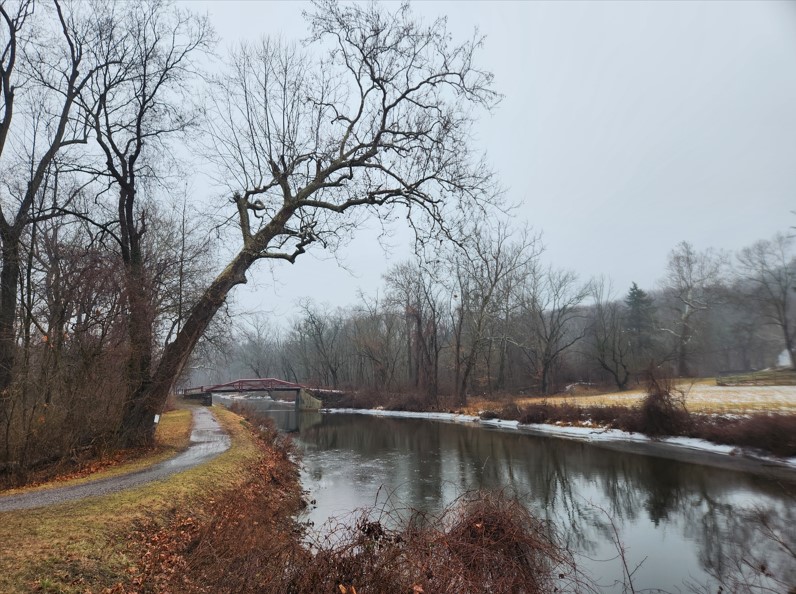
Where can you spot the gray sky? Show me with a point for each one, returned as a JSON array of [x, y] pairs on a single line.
[[626, 127]]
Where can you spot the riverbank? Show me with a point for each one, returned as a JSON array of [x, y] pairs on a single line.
[[682, 449], [755, 425], [230, 525]]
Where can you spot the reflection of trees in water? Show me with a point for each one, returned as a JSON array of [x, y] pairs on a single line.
[[624, 500], [565, 482], [665, 491], [537, 472], [704, 521], [746, 548]]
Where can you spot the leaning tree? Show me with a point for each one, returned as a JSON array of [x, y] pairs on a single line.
[[372, 115]]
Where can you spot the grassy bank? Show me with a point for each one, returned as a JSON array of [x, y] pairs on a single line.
[[752, 416], [86, 545]]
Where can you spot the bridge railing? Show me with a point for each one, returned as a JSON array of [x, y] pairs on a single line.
[[268, 384]]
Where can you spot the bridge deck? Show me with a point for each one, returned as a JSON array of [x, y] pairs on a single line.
[[267, 384]]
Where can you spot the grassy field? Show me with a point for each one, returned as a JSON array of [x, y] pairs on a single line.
[[78, 546], [702, 396], [704, 399]]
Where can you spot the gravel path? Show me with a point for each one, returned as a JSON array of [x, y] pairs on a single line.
[[208, 440]]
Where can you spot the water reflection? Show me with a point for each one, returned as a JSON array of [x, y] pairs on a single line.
[[685, 523], [284, 413]]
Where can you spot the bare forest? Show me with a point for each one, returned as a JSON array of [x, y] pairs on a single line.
[[492, 317]]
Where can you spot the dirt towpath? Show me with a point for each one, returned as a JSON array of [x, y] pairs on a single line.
[[208, 440]]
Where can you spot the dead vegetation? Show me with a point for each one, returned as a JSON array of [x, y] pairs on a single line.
[[231, 541], [662, 413], [251, 543], [771, 433], [485, 543], [369, 399], [482, 543]]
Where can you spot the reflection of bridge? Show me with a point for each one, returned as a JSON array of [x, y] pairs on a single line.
[[304, 399]]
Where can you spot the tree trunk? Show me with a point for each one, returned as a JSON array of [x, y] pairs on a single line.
[[149, 399], [620, 376], [545, 387], [789, 346], [468, 368], [9, 277], [682, 354], [137, 411]]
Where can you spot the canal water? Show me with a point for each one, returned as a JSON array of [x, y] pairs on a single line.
[[682, 525]]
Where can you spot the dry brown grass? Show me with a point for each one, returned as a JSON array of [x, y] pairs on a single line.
[[663, 413], [703, 396], [484, 543]]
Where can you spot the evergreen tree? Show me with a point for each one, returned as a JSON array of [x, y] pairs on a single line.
[[640, 325]]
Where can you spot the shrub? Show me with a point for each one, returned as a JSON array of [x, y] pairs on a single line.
[[663, 410], [484, 543], [549, 413], [774, 433]]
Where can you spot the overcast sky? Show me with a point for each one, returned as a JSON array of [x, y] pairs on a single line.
[[625, 128]]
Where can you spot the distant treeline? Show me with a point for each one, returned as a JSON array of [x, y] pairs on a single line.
[[491, 316]]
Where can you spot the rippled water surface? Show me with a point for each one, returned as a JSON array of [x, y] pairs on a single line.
[[684, 523]]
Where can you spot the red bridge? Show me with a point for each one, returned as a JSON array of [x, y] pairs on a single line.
[[265, 384], [305, 400]]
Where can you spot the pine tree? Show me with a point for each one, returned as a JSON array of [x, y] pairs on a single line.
[[640, 324]]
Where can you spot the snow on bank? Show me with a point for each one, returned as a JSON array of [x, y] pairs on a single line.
[[580, 433], [377, 412]]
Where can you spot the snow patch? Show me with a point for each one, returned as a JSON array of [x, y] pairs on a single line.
[[501, 423], [405, 414]]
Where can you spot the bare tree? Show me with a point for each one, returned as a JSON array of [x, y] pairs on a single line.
[[138, 105], [691, 281], [549, 307], [321, 337], [48, 67], [770, 267], [376, 332], [257, 349], [381, 121], [417, 296], [482, 267], [610, 344]]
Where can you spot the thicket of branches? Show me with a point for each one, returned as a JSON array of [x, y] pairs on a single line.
[[109, 279]]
